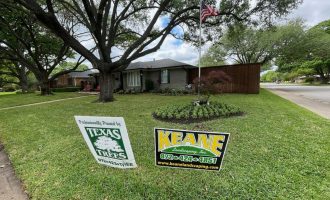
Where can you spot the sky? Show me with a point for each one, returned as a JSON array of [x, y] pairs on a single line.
[[312, 11]]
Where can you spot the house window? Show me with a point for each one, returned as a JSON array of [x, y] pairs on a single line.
[[164, 77], [133, 79]]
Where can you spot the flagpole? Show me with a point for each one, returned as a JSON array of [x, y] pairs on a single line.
[[200, 48]]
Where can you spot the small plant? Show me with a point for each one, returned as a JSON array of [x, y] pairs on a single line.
[[172, 92], [120, 92], [191, 112], [66, 89], [210, 84]]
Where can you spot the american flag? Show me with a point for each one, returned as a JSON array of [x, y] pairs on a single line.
[[207, 11]]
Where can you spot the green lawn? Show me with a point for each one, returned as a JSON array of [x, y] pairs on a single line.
[[22, 99], [276, 151], [6, 93]]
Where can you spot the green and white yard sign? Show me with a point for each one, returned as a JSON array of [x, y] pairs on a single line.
[[108, 141]]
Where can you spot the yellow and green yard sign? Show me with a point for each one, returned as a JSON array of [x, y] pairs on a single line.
[[190, 149]]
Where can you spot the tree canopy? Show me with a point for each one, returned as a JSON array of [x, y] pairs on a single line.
[[64, 66], [28, 45], [247, 45], [309, 53], [213, 57], [14, 73], [251, 44]]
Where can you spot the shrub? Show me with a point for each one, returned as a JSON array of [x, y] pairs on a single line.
[[166, 90], [212, 82], [191, 112], [10, 88], [171, 92], [120, 92], [20, 92], [270, 76], [131, 91], [66, 89], [309, 80]]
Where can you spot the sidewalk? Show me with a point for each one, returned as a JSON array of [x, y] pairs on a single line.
[[40, 103], [10, 186]]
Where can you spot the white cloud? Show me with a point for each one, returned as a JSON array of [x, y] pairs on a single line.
[[313, 11], [183, 52]]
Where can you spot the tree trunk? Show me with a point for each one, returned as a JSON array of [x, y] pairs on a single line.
[[45, 87], [106, 87], [324, 79], [24, 82], [44, 83], [21, 74], [24, 86]]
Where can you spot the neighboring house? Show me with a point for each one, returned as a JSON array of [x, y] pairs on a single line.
[[74, 79]]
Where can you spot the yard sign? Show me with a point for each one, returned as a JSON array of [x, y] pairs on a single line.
[[190, 149], [107, 139]]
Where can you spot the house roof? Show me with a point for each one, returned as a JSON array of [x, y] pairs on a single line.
[[79, 74], [83, 74], [157, 64]]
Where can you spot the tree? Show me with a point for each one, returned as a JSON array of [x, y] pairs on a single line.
[[6, 79], [130, 25], [213, 57], [249, 44], [318, 66], [291, 51], [322, 26], [270, 76], [28, 45], [246, 44], [17, 73], [68, 66], [308, 53]]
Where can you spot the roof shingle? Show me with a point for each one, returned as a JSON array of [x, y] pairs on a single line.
[[157, 64]]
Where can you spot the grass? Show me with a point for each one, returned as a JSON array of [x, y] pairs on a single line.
[[6, 93], [276, 151], [22, 99]]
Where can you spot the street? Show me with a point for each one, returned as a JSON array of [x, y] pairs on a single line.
[[314, 98]]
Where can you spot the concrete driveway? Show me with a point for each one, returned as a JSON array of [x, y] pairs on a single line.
[[314, 98]]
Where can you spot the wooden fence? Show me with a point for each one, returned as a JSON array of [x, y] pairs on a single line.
[[245, 77]]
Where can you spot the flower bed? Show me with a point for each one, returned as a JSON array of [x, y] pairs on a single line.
[[194, 113]]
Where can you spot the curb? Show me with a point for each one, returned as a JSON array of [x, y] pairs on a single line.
[[11, 187]]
